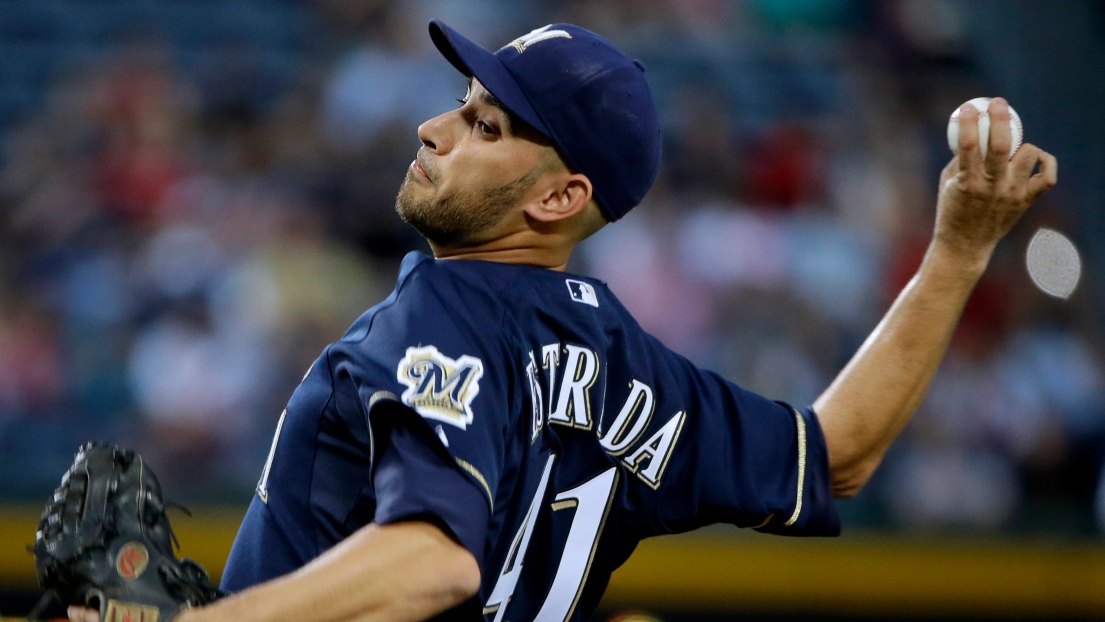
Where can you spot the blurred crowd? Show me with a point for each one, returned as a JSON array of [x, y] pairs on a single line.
[[195, 197]]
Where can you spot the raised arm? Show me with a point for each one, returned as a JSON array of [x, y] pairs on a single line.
[[870, 401]]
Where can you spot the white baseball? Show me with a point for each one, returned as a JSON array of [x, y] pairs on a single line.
[[982, 105]]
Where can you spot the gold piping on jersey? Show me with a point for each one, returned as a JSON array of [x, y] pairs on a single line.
[[801, 466], [474, 472], [766, 521], [376, 397], [382, 395], [565, 504]]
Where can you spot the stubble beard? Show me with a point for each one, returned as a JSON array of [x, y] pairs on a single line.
[[461, 217]]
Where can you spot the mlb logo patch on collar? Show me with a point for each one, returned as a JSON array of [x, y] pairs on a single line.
[[582, 292]]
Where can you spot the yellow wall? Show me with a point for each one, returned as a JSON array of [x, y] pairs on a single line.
[[860, 574], [719, 571]]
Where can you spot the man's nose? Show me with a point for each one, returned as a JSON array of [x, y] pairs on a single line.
[[438, 133]]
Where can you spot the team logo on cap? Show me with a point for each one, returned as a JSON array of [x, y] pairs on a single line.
[[439, 387], [541, 34]]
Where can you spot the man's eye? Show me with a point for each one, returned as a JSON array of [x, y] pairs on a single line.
[[485, 128], [462, 100]]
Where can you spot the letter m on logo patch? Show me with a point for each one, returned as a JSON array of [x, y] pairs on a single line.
[[439, 387]]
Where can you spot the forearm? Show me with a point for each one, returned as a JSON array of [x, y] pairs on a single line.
[[979, 201], [405, 571], [873, 397]]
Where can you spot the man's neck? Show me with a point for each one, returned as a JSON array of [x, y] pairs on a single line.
[[518, 249]]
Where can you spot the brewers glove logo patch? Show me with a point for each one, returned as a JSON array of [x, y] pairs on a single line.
[[132, 561], [439, 387]]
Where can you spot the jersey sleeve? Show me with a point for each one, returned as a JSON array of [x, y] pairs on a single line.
[[415, 480], [434, 362], [746, 460]]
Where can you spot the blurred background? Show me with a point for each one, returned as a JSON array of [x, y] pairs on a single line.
[[197, 195]]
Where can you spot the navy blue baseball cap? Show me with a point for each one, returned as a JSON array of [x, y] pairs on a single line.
[[580, 91]]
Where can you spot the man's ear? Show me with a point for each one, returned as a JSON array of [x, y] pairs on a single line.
[[563, 198]]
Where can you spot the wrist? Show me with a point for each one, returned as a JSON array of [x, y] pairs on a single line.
[[962, 262]]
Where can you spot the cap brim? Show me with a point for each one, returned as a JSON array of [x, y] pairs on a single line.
[[474, 61]]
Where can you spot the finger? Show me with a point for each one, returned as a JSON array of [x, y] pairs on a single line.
[[1046, 179], [997, 154], [83, 614], [970, 158], [1024, 161]]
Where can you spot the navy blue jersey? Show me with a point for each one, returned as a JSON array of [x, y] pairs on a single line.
[[525, 412]]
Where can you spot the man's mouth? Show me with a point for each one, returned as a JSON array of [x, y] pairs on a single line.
[[420, 171]]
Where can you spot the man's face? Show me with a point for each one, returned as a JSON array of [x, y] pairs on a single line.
[[474, 168]]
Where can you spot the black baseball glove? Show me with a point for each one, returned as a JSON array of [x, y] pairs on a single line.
[[105, 542]]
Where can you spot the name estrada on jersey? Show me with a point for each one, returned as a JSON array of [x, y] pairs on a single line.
[[526, 413]]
